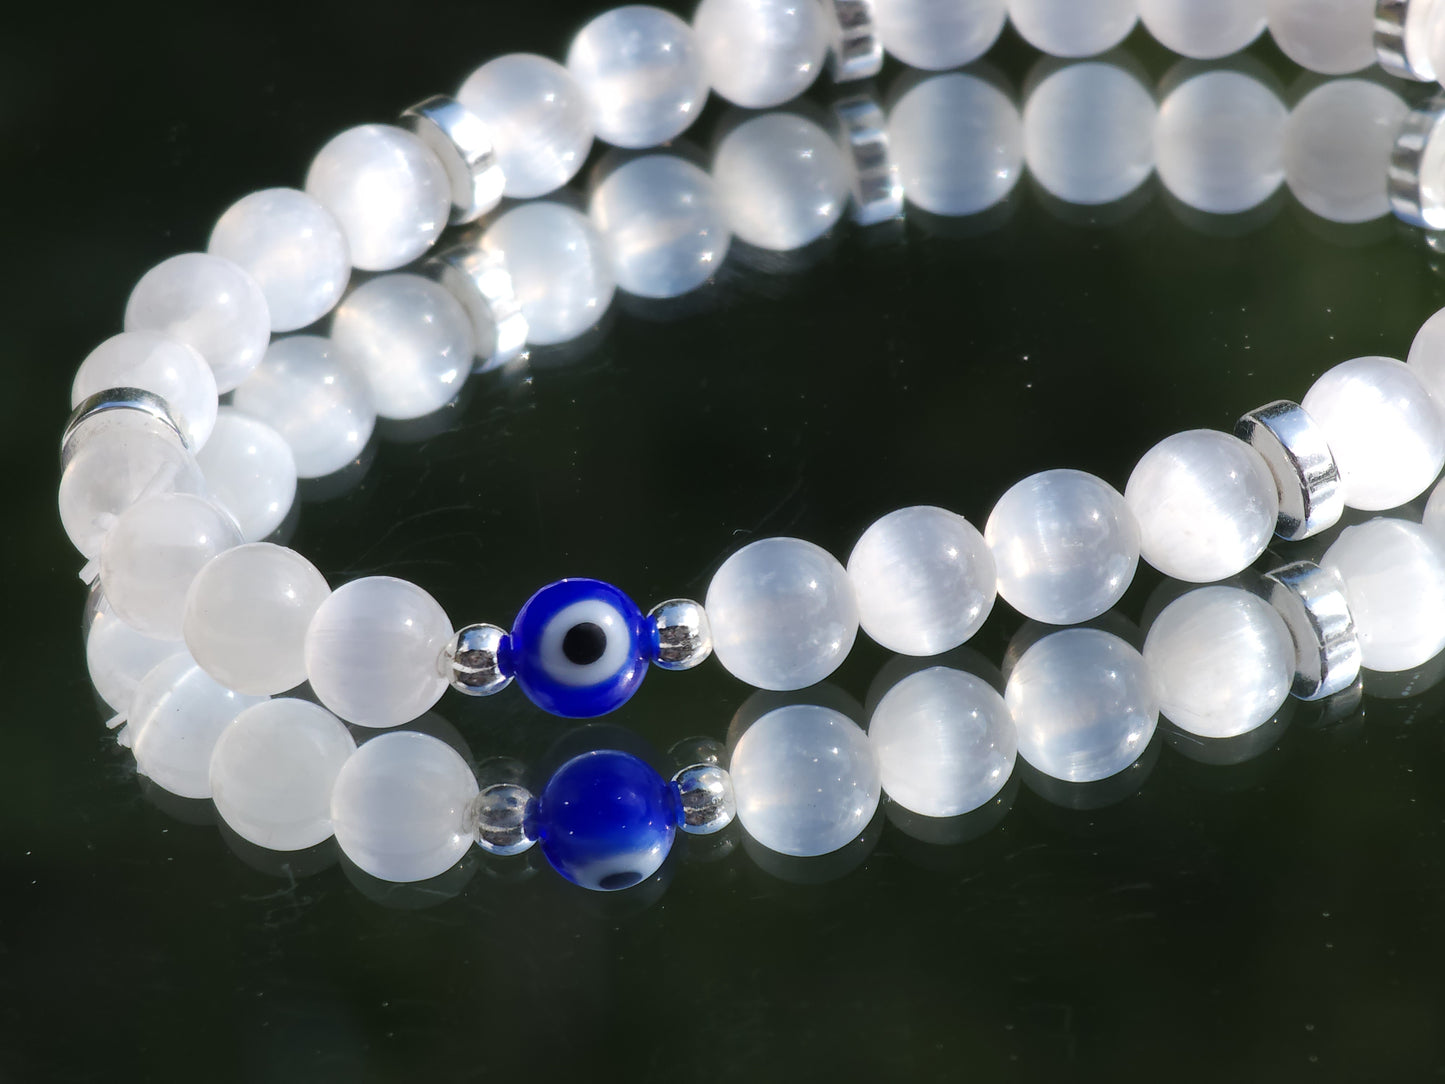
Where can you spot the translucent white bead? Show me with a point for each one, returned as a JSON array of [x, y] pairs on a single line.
[[760, 53], [313, 394], [158, 364], [1206, 505], [411, 338], [399, 806], [118, 657], [639, 69], [373, 651], [806, 780], [1203, 31], [1394, 575], [1066, 545], [152, 554], [250, 471], [1383, 427], [924, 580], [272, 771], [944, 740], [537, 117], [1217, 142], [176, 716], [1084, 704], [939, 34], [292, 246], [1073, 27], [558, 266], [783, 613], [207, 303], [1337, 146], [1222, 660], [782, 180], [958, 142], [388, 191], [116, 457], [1427, 353], [246, 617], [1089, 133], [1332, 37], [663, 225]]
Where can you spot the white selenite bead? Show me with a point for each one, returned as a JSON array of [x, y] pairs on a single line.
[[1337, 146], [373, 651], [247, 613], [1383, 427], [939, 34], [1084, 704], [782, 180], [1394, 576], [958, 142], [537, 117], [311, 392], [208, 303], [1066, 545], [944, 740], [924, 580], [118, 657], [411, 339], [559, 269], [1073, 27], [806, 780], [1427, 351], [292, 246], [388, 191], [640, 72], [1089, 133], [760, 53], [155, 363], [663, 225], [176, 716], [250, 471], [783, 613], [116, 457], [1222, 660], [1204, 31], [1217, 142], [1206, 505], [272, 771], [399, 806], [1332, 37], [152, 554]]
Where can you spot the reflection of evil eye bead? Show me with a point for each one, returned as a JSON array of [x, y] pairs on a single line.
[[606, 820], [579, 648]]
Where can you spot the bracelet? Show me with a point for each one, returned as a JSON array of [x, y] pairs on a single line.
[[1061, 546]]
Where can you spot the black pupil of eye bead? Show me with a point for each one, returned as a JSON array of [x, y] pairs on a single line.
[[584, 643]]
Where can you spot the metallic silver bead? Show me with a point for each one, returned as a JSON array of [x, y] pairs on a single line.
[[501, 819], [855, 51], [1294, 447], [1400, 44], [481, 282], [684, 637], [863, 133], [471, 660], [459, 138], [708, 804], [1410, 195], [119, 399], [691, 751], [1312, 602]]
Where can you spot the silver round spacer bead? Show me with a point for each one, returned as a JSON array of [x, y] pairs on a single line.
[[460, 139], [682, 634], [707, 801], [1294, 448], [471, 661], [501, 819], [689, 752]]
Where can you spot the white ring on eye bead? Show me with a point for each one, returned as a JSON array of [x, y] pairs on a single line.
[[615, 655]]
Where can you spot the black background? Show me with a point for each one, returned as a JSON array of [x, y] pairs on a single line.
[[1276, 919]]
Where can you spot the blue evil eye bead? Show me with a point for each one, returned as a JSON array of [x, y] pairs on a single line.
[[580, 648], [606, 820]]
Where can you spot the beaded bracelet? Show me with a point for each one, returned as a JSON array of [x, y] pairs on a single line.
[[1061, 546]]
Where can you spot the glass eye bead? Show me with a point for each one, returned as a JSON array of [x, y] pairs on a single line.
[[706, 803], [681, 635], [580, 648], [606, 820], [475, 660], [503, 819]]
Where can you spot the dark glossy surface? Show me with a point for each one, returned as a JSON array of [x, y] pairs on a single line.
[[1276, 919]]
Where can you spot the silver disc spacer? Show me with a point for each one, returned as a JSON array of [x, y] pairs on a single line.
[[1420, 131], [137, 399], [1393, 39], [479, 279], [1294, 448], [863, 134], [460, 139], [1312, 602], [854, 50]]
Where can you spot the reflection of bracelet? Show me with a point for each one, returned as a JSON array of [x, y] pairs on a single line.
[[259, 618]]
